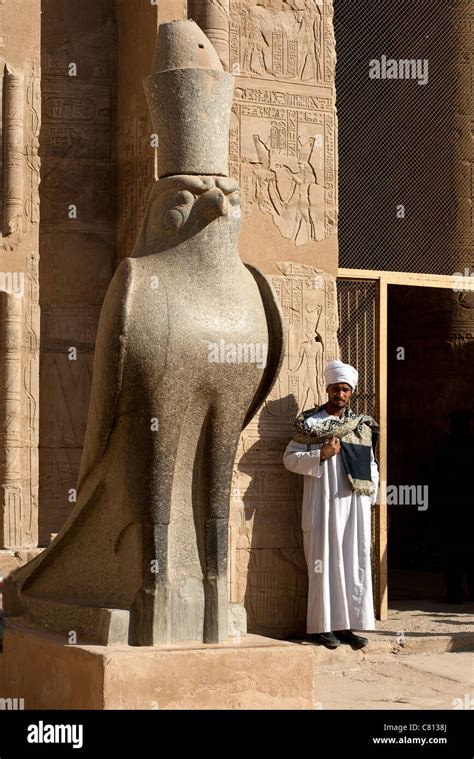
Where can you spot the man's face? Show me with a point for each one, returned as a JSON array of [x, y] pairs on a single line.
[[339, 394]]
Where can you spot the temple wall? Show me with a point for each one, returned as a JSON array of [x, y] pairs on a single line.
[[136, 158], [78, 222]]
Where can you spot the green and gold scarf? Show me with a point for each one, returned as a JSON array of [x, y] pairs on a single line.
[[358, 433]]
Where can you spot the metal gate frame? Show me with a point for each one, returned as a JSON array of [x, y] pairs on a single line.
[[382, 281]]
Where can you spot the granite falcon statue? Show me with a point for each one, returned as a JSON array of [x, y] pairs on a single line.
[[143, 556]]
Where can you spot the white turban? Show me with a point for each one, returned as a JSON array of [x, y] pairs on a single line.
[[336, 371]]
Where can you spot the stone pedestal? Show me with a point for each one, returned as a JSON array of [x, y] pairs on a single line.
[[257, 673]]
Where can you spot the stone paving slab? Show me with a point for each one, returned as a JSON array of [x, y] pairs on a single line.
[[418, 681], [421, 657]]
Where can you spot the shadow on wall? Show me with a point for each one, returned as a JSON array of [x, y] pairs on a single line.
[[270, 559]]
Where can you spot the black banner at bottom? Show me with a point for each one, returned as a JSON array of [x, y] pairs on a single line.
[[123, 733]]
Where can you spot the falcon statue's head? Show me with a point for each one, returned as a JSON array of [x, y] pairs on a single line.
[[181, 207], [190, 99]]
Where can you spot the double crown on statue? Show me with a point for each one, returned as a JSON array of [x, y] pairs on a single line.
[[190, 98]]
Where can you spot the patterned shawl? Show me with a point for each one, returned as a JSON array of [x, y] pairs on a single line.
[[358, 433]]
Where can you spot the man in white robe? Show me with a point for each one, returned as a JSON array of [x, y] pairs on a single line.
[[336, 524]]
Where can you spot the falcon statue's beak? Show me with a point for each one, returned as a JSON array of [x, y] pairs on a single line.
[[214, 203]]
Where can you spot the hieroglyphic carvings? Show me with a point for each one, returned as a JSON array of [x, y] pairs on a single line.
[[283, 130], [20, 111], [65, 392], [33, 120], [283, 153], [19, 323], [267, 569], [2, 24], [21, 163], [459, 307], [13, 151], [65, 383], [283, 133], [10, 419], [76, 139], [137, 171], [59, 468], [30, 380], [290, 40], [309, 299], [78, 143], [77, 146], [19, 306]]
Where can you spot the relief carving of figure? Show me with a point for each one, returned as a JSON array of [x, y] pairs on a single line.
[[311, 356], [311, 33], [254, 56], [289, 192]]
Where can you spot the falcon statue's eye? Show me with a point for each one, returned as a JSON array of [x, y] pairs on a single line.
[[184, 198], [234, 199]]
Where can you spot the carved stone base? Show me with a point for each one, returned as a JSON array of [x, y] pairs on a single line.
[[258, 673], [97, 625]]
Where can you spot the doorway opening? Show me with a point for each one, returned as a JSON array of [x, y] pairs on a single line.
[[411, 337], [430, 455]]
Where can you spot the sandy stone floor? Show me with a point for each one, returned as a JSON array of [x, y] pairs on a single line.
[[422, 657], [386, 681], [433, 627]]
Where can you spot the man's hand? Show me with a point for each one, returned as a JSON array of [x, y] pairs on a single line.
[[331, 448]]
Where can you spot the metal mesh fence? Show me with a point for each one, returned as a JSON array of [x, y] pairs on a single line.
[[358, 337], [357, 305], [405, 166]]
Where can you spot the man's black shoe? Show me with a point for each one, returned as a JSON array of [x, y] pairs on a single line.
[[355, 641], [328, 640]]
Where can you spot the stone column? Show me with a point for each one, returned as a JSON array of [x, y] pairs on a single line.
[[13, 167], [10, 420], [19, 285]]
